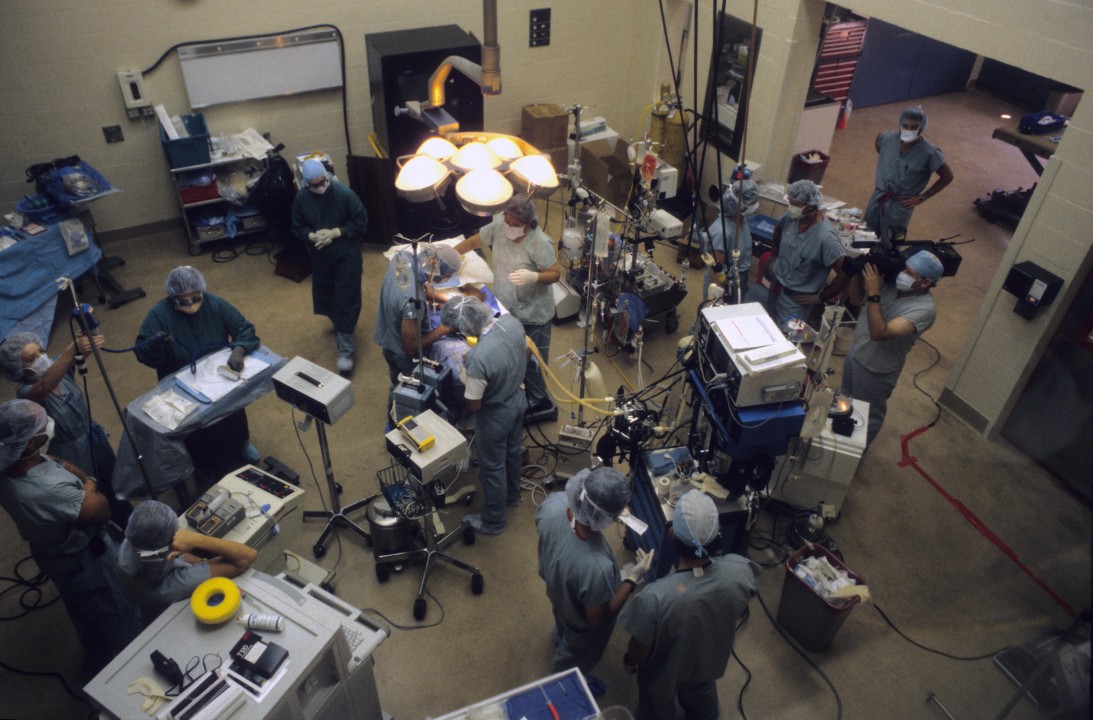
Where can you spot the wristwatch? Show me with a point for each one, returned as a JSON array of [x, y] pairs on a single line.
[[873, 298]]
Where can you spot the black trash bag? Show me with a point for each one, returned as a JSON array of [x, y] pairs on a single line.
[[273, 194]]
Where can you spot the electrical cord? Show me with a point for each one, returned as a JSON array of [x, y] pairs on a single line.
[[261, 247], [801, 651], [30, 599], [60, 678], [318, 487], [392, 623], [942, 653], [747, 672], [918, 387]]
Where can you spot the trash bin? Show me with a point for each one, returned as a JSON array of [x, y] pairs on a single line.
[[809, 166], [811, 619]]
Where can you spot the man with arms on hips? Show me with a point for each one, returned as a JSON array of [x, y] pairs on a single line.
[[62, 515], [401, 315], [905, 165], [525, 265], [493, 377], [161, 563], [682, 626], [806, 249], [585, 587], [331, 221], [896, 314]]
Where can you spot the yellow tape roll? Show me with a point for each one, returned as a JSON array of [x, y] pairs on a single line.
[[215, 600]]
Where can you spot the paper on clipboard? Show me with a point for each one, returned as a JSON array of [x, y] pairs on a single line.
[[207, 384], [745, 333]]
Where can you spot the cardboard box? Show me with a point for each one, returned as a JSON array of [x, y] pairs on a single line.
[[605, 169], [559, 157], [544, 125]]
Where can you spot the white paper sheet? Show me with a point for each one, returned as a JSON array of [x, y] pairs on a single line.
[[168, 409], [207, 384], [745, 333]]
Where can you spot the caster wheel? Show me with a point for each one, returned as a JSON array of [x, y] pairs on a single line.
[[469, 499], [628, 543], [194, 250], [468, 535], [477, 583], [671, 324], [383, 573], [338, 488], [327, 586], [419, 608], [318, 550]]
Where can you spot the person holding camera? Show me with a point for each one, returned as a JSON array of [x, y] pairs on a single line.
[[895, 315]]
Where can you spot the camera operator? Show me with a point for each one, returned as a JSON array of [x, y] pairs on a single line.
[[895, 315]]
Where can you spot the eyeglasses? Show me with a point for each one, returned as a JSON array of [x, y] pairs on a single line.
[[318, 182], [183, 301]]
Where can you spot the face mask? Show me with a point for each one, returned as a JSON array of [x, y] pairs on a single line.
[[573, 524], [40, 365], [904, 282], [319, 189], [795, 213], [189, 305], [48, 431], [908, 135], [513, 233]]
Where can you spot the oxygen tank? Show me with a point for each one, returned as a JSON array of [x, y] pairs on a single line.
[[667, 128]]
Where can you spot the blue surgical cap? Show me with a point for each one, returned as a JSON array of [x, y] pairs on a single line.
[[596, 497], [448, 257], [151, 526], [748, 192], [466, 314], [523, 209], [11, 354], [20, 420], [695, 520], [915, 113], [926, 264], [806, 193], [312, 170], [184, 279]]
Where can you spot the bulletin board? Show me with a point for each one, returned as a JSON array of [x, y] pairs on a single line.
[[269, 66]]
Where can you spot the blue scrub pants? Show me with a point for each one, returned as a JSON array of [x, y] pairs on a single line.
[[96, 602], [498, 429], [861, 383], [698, 700], [579, 649]]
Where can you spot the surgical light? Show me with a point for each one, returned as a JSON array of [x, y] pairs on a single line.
[[491, 168]]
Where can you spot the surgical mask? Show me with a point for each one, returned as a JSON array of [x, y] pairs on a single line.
[[908, 135], [904, 282], [49, 428], [320, 188], [513, 233], [573, 523], [40, 365], [795, 213], [189, 305]]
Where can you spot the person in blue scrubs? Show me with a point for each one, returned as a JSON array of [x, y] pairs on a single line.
[[584, 584], [59, 511], [682, 626], [906, 161], [494, 394], [806, 249], [723, 236], [51, 383]]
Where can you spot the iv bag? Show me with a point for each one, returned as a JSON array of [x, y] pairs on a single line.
[[603, 230]]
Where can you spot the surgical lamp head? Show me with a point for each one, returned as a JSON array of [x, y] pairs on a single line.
[[597, 497]]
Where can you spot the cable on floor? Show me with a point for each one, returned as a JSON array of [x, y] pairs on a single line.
[[942, 653], [30, 599], [801, 651], [60, 679], [392, 623], [918, 387], [747, 671]]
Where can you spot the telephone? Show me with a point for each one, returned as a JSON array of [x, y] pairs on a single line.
[[215, 512]]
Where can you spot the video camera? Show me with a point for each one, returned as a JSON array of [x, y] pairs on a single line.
[[891, 260]]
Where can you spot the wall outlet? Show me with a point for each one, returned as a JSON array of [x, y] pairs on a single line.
[[827, 511]]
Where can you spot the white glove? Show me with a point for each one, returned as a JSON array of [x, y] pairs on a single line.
[[322, 238], [523, 276], [636, 572]]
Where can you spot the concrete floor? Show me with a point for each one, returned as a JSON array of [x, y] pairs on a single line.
[[937, 575]]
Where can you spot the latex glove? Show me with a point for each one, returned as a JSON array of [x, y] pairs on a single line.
[[636, 572], [523, 276], [235, 361], [153, 694], [321, 238]]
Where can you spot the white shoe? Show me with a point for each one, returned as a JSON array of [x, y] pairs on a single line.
[[345, 364]]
